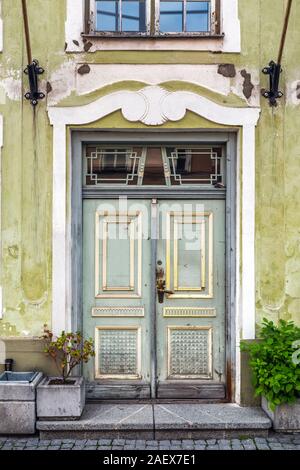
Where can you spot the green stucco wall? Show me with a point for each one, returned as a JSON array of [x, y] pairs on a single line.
[[27, 154]]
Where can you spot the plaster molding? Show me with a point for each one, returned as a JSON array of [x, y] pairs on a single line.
[[154, 105], [230, 23]]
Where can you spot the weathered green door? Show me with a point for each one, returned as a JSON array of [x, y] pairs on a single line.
[[118, 298], [154, 271]]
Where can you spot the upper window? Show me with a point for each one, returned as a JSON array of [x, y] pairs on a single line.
[[163, 166], [154, 17]]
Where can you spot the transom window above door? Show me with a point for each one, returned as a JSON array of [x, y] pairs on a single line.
[[162, 166], [154, 17]]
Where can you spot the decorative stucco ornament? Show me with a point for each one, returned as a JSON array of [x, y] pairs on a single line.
[[153, 106]]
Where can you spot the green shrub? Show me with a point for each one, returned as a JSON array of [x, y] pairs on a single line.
[[276, 374]]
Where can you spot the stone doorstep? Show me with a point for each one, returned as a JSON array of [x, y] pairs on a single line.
[[170, 421]]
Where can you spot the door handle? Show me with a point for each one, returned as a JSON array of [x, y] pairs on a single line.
[[161, 285]]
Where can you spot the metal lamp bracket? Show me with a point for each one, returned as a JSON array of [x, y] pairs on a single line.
[[33, 71], [274, 70]]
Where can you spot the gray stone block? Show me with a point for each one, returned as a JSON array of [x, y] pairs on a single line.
[[285, 417], [60, 401], [17, 417], [16, 390]]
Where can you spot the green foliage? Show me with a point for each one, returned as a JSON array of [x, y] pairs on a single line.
[[276, 374], [67, 351]]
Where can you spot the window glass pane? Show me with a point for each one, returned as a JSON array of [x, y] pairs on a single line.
[[107, 17], [195, 165], [133, 165], [171, 17], [112, 165], [133, 15], [197, 16]]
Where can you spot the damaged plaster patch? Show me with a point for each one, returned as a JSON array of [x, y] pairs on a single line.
[[238, 85], [84, 69], [7, 329], [13, 251], [247, 85], [87, 46], [11, 84], [227, 70], [48, 87], [101, 75], [62, 82], [293, 92]]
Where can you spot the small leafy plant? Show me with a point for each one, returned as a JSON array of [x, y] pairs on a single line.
[[68, 350], [276, 374]]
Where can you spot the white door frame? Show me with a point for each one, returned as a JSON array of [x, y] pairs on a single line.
[[153, 106]]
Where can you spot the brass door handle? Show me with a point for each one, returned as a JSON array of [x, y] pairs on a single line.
[[161, 286]]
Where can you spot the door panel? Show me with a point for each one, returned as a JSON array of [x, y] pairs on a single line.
[[116, 293], [118, 298], [191, 318]]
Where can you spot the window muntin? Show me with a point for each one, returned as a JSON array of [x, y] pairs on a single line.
[[154, 17], [153, 166]]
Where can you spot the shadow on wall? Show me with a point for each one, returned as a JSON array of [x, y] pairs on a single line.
[[28, 355]]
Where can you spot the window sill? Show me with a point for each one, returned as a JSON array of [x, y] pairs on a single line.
[[152, 37]]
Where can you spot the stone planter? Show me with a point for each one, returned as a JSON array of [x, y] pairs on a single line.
[[285, 417], [60, 402], [17, 402]]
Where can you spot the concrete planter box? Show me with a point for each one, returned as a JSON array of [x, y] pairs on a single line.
[[285, 417], [58, 401], [18, 402]]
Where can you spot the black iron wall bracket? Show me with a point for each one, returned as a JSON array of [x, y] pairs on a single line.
[[33, 70], [274, 70]]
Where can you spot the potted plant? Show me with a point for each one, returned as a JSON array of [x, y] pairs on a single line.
[[63, 397], [274, 360]]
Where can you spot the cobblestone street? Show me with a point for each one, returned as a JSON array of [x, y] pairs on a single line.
[[274, 442]]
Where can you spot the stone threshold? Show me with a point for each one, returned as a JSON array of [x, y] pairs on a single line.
[[160, 421]]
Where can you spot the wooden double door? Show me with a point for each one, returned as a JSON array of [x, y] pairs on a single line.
[[154, 297]]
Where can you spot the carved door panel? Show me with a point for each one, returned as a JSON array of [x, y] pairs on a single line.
[[191, 314], [116, 297]]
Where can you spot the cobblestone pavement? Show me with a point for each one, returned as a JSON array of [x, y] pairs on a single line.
[[274, 442]]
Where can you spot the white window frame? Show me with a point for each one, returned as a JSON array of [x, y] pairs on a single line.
[[230, 42]]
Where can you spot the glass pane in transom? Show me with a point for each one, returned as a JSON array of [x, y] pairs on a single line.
[[195, 165]]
